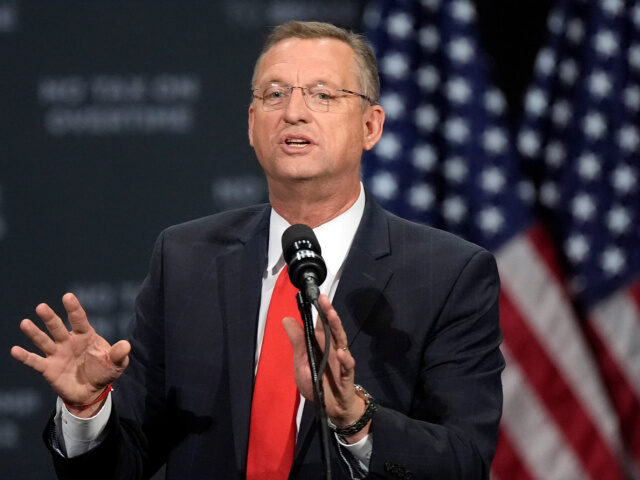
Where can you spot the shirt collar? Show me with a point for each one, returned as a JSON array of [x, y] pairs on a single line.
[[335, 236]]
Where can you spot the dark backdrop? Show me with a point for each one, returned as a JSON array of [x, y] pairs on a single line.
[[118, 119]]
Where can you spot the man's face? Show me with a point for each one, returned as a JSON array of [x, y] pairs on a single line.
[[297, 144]]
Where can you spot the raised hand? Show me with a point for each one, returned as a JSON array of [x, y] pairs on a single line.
[[78, 364], [343, 405]]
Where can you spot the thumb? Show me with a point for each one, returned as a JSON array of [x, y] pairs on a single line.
[[119, 354]]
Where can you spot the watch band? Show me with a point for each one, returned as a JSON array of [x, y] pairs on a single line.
[[359, 424]]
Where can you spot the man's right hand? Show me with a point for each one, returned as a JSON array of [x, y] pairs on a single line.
[[78, 364]]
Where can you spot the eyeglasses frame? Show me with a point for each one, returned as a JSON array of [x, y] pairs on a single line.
[[302, 90]]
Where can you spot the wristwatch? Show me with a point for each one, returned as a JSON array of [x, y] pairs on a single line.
[[371, 407]]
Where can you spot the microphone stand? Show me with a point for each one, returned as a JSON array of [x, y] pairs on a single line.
[[317, 364]]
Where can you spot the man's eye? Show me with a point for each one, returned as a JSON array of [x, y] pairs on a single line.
[[325, 96], [275, 94]]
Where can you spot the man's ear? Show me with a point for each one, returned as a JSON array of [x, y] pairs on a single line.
[[372, 126], [251, 120]]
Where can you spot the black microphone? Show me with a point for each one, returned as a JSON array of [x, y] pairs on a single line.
[[302, 253]]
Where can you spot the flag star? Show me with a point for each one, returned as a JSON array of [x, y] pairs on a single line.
[[424, 157], [623, 179], [628, 138], [395, 65], [463, 11], [389, 146], [632, 97], [599, 84], [577, 248], [421, 197], [529, 142], [429, 38], [606, 43], [583, 207], [491, 220], [399, 25], [536, 102], [526, 191], [612, 261], [494, 140], [432, 4], [428, 78], [589, 166], [455, 170], [426, 118], [556, 22], [555, 154], [372, 16], [568, 71], [494, 101], [613, 7], [561, 113], [460, 50], [549, 194], [456, 130], [618, 220], [458, 90], [393, 105], [492, 180], [575, 31], [546, 61], [384, 185], [634, 56], [454, 209], [594, 125]]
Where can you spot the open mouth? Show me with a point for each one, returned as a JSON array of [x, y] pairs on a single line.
[[297, 142]]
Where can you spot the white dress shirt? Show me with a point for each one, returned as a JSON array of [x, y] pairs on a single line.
[[335, 237]]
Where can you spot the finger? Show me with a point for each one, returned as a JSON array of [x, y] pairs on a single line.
[[38, 337], [38, 363], [295, 332], [54, 324], [119, 354], [318, 331], [347, 364], [76, 314], [338, 334]]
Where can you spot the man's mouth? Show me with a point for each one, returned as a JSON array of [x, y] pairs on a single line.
[[296, 142]]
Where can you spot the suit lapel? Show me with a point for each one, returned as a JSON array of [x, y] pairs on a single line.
[[364, 277], [240, 273]]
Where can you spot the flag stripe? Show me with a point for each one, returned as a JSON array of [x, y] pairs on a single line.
[[625, 401], [534, 289], [540, 240], [555, 394], [634, 293], [507, 463], [616, 321], [533, 433]]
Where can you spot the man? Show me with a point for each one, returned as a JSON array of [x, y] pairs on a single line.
[[416, 308]]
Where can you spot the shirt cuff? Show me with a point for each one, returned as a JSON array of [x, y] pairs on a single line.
[[361, 450], [80, 435]]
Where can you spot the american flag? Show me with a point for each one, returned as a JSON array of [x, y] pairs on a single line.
[[562, 220]]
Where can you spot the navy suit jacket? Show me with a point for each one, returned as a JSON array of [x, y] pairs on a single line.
[[420, 308]]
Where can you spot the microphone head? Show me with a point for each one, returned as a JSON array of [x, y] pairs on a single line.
[[302, 253]]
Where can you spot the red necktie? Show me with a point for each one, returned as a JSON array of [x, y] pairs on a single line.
[[274, 407]]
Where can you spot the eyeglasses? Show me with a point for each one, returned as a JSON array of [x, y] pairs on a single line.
[[319, 97]]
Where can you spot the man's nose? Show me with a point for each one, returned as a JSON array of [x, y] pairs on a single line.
[[296, 110]]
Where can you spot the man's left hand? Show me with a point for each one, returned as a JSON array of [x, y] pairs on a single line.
[[344, 407]]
